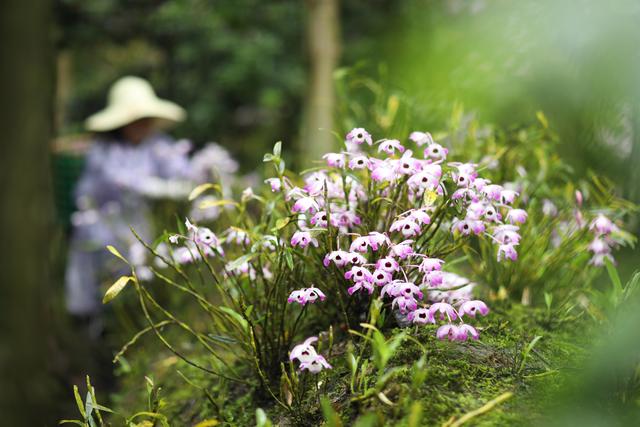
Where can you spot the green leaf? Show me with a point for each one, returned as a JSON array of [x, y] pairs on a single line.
[[281, 223], [80, 423], [548, 299], [79, 402], [330, 415], [277, 149], [201, 189], [208, 423], [613, 275], [367, 420], [542, 119], [236, 316], [215, 203], [116, 288], [415, 415], [289, 258], [261, 419], [115, 252], [241, 260]]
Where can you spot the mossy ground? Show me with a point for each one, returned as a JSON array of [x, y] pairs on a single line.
[[460, 377]]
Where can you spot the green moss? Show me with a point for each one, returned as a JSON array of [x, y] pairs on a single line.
[[460, 377]]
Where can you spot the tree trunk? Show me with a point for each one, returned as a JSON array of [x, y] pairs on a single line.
[[26, 85], [324, 50]]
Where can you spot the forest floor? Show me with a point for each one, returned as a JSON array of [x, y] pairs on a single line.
[[508, 377]]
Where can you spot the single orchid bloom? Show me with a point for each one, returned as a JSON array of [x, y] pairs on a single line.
[[492, 191], [517, 216], [436, 152], [602, 225], [465, 194], [471, 308], [462, 179], [336, 160], [303, 239], [507, 197], [406, 226], [420, 216], [361, 285], [355, 258], [346, 219], [480, 183], [421, 138], [467, 331], [423, 180], [507, 251], [434, 278], [359, 162], [407, 165], [359, 136], [305, 204], [448, 332], [382, 277], [401, 250], [383, 172], [599, 246], [304, 352], [409, 289], [404, 303], [360, 244], [298, 296], [387, 264], [339, 258], [491, 214], [390, 146], [312, 294], [507, 234], [315, 364], [421, 316], [274, 183], [443, 311], [430, 264], [358, 274], [377, 239], [319, 219]]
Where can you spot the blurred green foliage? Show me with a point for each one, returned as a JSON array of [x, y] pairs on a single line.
[[575, 60]]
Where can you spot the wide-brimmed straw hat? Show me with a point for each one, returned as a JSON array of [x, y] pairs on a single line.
[[131, 99]]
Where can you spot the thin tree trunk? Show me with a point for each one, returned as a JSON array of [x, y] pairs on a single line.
[[26, 81], [324, 51]]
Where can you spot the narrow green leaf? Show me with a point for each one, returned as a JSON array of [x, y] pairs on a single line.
[[116, 288], [415, 415], [613, 275], [201, 189], [215, 203], [115, 252], [277, 149], [76, 394], [76, 422], [330, 415], [236, 316], [281, 223]]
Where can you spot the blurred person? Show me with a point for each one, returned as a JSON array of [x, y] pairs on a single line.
[[130, 161]]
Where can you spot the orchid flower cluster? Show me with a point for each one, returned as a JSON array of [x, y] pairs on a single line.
[[309, 359], [427, 195], [602, 243]]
